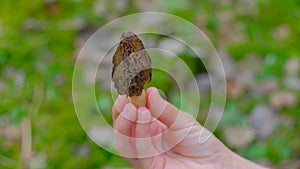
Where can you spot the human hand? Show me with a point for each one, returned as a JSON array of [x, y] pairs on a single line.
[[161, 136]]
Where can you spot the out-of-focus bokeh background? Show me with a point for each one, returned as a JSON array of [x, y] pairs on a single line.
[[39, 42]]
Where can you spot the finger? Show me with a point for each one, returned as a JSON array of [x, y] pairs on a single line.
[[143, 143], [160, 108], [119, 105], [156, 130], [148, 92], [123, 141], [124, 122], [166, 112], [157, 127], [179, 123]]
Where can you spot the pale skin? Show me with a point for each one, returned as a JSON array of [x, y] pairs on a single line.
[[176, 145]]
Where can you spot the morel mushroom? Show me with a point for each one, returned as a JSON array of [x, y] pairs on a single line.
[[132, 69]]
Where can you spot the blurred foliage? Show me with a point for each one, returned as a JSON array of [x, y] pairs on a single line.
[[38, 41]]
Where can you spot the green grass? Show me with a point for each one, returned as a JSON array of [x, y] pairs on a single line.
[[44, 52]]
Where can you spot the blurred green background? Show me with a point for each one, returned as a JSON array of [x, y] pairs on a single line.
[[39, 42]]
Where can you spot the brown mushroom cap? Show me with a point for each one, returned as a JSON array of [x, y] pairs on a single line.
[[132, 66]]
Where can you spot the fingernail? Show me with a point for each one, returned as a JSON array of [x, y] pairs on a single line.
[[151, 89], [118, 100], [128, 112], [155, 95], [143, 115]]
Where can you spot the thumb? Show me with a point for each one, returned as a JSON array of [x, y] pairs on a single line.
[[167, 113], [183, 131]]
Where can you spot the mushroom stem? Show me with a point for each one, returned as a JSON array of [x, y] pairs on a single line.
[[138, 101]]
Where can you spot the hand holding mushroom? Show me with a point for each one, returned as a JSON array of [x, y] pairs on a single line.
[[157, 124]]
